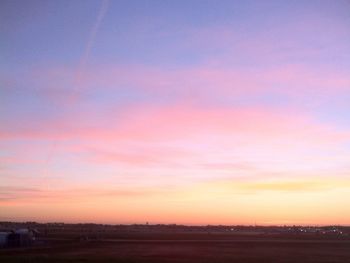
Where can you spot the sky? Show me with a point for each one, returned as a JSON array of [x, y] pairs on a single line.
[[187, 112]]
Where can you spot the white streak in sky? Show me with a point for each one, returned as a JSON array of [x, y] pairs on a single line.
[[77, 80], [93, 33]]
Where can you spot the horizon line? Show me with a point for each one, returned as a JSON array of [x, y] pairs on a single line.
[[176, 224]]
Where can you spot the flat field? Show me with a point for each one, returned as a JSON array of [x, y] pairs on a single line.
[[178, 248]]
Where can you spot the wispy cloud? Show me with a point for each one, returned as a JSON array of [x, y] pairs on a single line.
[[10, 194]]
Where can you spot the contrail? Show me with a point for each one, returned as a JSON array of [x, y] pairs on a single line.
[[77, 79], [93, 33]]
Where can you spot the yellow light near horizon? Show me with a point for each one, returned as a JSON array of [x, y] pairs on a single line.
[[224, 202]]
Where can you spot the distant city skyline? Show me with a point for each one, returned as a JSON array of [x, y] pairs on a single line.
[[186, 112]]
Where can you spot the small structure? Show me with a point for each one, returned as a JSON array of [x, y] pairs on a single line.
[[18, 238], [4, 238]]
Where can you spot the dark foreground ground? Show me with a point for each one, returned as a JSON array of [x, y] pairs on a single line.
[[194, 248]]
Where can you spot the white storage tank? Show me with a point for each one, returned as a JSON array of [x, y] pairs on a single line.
[[3, 238]]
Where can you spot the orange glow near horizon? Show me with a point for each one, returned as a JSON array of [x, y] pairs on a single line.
[[225, 202]]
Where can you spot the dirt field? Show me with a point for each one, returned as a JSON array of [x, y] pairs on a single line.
[[248, 250]]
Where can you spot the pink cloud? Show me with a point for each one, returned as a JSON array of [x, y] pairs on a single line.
[[164, 144], [135, 155], [204, 83], [22, 195], [171, 122]]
